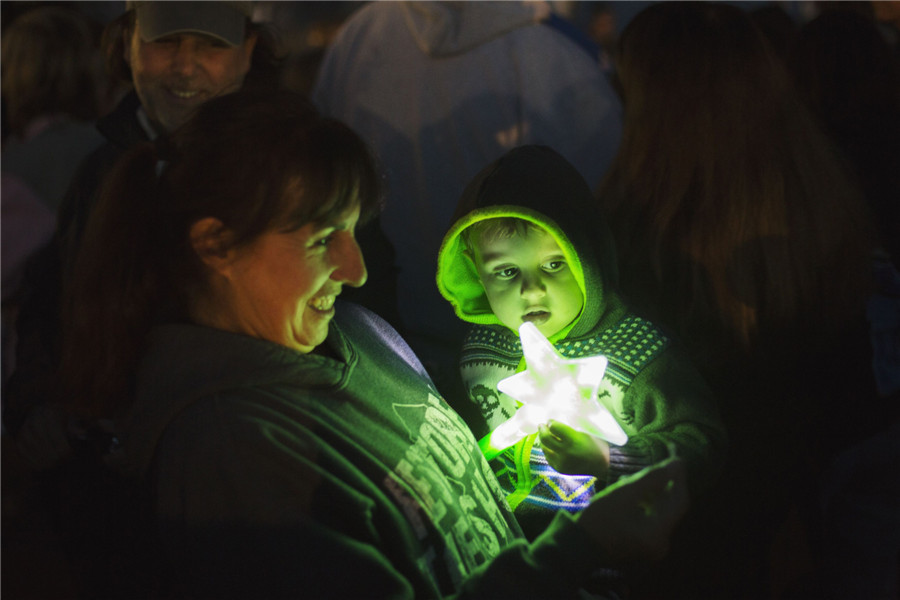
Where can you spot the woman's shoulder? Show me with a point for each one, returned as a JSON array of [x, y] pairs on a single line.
[[367, 332]]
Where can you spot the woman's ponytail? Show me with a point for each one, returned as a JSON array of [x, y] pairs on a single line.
[[109, 302]]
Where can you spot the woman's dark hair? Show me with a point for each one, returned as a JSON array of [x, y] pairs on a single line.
[[257, 163], [730, 206], [51, 65]]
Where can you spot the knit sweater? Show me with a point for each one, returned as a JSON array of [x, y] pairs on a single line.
[[651, 388]]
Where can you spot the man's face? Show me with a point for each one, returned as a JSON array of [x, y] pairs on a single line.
[[175, 74], [526, 278]]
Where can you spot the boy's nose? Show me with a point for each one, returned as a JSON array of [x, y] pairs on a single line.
[[533, 287]]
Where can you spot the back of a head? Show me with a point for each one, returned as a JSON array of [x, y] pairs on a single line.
[[698, 77], [725, 192], [51, 66]]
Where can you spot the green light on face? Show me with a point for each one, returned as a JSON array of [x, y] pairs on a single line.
[[553, 387]]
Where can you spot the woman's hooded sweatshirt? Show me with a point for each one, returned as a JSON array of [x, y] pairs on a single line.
[[650, 387]]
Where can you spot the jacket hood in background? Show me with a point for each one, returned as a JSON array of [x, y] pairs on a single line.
[[536, 184], [445, 28]]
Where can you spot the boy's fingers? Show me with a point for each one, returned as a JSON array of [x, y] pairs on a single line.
[[560, 430], [549, 441], [548, 430]]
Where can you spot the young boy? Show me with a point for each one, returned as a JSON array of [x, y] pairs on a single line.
[[528, 244]]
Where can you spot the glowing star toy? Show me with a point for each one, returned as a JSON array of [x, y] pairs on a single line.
[[553, 387]]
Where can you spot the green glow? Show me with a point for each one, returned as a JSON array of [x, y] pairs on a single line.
[[553, 387]]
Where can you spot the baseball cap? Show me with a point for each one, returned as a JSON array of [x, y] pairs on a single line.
[[222, 20]]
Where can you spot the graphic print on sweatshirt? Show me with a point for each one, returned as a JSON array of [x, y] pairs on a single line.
[[447, 492]]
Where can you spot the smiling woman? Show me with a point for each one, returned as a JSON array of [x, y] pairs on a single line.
[[227, 236], [286, 442]]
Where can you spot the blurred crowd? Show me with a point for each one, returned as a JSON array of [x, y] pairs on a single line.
[[746, 154]]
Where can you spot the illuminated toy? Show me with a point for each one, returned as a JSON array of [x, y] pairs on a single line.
[[553, 387]]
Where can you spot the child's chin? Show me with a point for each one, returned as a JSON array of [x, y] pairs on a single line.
[[546, 328]]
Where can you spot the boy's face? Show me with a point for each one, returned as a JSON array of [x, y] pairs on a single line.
[[526, 278]]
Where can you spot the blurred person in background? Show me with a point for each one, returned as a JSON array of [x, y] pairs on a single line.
[[53, 88], [603, 30], [741, 230], [175, 56]]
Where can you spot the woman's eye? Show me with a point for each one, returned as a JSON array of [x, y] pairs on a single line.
[[507, 273], [324, 241]]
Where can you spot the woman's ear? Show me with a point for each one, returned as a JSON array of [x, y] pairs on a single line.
[[211, 240]]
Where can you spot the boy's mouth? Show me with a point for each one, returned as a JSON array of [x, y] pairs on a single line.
[[538, 317]]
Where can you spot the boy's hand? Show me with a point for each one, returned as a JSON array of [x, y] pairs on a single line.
[[634, 518], [573, 452]]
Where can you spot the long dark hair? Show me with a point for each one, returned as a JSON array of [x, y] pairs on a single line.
[[732, 210], [256, 162]]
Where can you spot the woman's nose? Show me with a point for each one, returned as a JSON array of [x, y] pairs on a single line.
[[351, 265]]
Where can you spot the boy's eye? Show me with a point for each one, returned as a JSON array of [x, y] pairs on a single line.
[[554, 265], [507, 273]]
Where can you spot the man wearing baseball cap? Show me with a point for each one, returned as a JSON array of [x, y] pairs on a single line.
[[181, 54], [177, 55]]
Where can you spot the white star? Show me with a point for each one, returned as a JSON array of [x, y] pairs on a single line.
[[553, 387]]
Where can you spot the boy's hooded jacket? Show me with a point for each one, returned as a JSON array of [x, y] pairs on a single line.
[[649, 386]]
